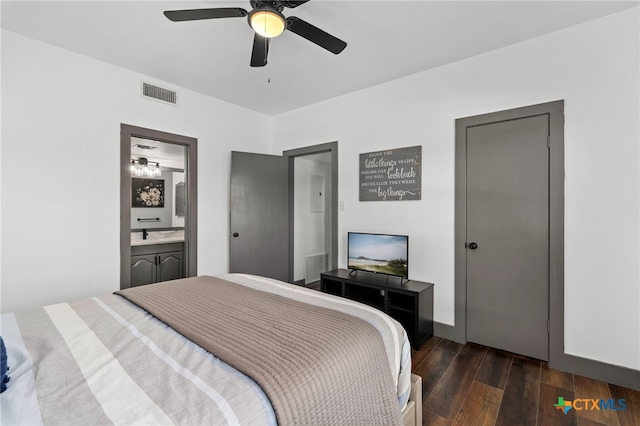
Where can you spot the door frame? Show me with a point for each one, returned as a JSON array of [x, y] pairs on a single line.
[[191, 215], [332, 148], [555, 112]]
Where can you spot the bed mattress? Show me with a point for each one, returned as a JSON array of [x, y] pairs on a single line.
[[104, 360]]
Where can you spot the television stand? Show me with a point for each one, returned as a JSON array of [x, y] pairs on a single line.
[[409, 302], [354, 272]]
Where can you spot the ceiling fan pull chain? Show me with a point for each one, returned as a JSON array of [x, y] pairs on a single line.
[[266, 49]]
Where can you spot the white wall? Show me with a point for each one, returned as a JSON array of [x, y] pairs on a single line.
[[594, 67], [61, 116]]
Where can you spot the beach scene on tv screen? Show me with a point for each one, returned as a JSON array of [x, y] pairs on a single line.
[[384, 254]]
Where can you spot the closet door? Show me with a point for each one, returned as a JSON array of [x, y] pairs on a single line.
[[507, 267], [259, 241]]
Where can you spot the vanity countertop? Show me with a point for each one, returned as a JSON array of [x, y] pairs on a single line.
[[157, 237]]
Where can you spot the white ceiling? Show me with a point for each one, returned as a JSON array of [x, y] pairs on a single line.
[[386, 40]]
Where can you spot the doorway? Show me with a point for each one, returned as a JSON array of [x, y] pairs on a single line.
[[509, 230], [262, 207], [314, 221], [175, 159]]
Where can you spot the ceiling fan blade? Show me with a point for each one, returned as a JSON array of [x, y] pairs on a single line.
[[315, 35], [292, 4], [197, 14], [260, 51]]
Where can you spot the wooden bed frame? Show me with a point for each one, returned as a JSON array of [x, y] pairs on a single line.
[[412, 413]]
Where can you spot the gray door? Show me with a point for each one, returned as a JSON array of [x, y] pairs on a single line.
[[508, 235], [259, 217]]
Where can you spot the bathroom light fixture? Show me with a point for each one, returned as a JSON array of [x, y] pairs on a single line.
[[267, 22], [142, 167], [148, 147]]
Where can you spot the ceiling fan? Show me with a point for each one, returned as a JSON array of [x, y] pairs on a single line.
[[267, 20]]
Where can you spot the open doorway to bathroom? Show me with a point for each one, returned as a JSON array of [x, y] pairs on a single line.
[[158, 206]]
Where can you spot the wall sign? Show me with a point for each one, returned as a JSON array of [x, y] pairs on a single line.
[[391, 175]]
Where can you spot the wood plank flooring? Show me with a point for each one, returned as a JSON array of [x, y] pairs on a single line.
[[471, 384]]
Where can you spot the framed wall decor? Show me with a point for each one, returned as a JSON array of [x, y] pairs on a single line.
[[147, 192], [391, 175]]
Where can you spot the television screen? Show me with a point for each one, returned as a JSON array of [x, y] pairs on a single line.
[[379, 253]]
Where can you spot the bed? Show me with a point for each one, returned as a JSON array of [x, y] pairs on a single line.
[[233, 349]]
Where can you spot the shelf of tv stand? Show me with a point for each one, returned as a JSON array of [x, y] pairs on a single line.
[[409, 302]]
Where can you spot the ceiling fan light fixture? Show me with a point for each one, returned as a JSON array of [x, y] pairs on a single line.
[[268, 23]]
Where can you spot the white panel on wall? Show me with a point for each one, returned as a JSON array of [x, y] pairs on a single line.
[[316, 194]]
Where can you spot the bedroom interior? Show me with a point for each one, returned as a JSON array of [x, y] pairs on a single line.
[[68, 87]]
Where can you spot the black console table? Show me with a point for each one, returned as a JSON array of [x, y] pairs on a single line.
[[409, 302]]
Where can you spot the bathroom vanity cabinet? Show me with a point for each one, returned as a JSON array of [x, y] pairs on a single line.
[[156, 262]]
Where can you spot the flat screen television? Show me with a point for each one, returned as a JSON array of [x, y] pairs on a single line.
[[378, 253]]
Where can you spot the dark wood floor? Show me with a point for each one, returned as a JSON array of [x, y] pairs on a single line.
[[471, 384]]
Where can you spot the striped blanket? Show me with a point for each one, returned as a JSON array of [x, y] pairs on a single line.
[[104, 360]]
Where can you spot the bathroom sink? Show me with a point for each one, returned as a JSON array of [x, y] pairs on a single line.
[[157, 237]]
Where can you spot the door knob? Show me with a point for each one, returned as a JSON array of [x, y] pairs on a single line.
[[235, 235], [473, 246]]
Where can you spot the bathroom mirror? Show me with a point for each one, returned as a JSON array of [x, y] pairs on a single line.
[[157, 185]]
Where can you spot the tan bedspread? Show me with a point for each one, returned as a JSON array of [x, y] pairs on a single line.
[[316, 365]]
